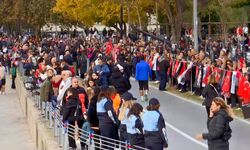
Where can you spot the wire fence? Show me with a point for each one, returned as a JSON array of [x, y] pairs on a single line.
[[62, 130]]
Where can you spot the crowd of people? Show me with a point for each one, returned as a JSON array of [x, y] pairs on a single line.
[[89, 80]]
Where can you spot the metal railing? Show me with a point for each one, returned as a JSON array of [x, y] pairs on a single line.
[[63, 130]]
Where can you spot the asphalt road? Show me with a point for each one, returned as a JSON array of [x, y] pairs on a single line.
[[185, 119]]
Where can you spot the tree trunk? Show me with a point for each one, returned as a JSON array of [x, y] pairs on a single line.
[[38, 31], [179, 21], [139, 17], [128, 12]]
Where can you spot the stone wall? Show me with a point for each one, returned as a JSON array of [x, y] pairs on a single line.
[[42, 136]]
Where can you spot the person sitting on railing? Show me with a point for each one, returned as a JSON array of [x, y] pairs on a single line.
[[154, 127], [134, 127], [108, 121], [72, 112]]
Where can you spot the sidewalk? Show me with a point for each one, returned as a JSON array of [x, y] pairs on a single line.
[[13, 125]]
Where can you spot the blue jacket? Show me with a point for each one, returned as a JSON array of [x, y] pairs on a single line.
[[142, 71], [102, 69], [154, 128], [105, 112]]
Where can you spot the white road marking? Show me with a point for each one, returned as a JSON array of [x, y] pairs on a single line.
[[192, 102], [186, 135]]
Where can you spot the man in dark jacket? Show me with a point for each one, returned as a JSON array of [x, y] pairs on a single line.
[[120, 82], [121, 62], [68, 58], [163, 64]]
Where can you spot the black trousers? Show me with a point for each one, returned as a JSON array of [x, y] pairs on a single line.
[[153, 142], [13, 85], [163, 81], [109, 131]]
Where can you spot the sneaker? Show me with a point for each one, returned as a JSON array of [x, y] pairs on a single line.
[[156, 82], [4, 93]]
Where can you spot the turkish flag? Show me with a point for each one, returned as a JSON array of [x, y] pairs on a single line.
[[109, 47]]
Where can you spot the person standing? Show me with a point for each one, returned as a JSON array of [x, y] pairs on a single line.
[[2, 79], [92, 113], [163, 64], [209, 92], [120, 82], [108, 121], [72, 112], [13, 75], [134, 126], [155, 132], [103, 70], [83, 100], [141, 75], [128, 101], [64, 85], [219, 131], [46, 89]]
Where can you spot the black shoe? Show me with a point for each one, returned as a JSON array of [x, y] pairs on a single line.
[[162, 90]]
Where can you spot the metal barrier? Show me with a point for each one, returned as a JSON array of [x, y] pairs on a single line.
[[64, 130]]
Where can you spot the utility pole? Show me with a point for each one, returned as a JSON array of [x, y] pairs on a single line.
[[195, 30], [121, 21]]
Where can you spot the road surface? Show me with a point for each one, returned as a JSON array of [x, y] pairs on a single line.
[[185, 119]]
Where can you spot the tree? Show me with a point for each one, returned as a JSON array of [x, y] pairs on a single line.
[[38, 13], [172, 11], [25, 14]]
